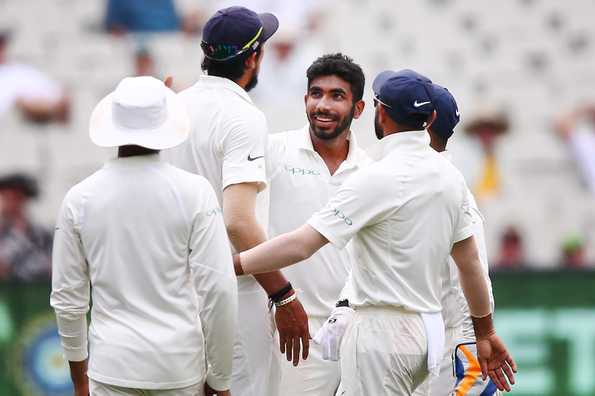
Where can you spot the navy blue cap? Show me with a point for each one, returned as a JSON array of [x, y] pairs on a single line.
[[413, 75], [404, 94], [448, 112], [236, 30]]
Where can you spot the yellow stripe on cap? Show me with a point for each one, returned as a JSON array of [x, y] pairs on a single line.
[[253, 39]]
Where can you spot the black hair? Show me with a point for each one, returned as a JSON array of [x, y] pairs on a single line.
[[232, 69], [341, 66], [132, 150]]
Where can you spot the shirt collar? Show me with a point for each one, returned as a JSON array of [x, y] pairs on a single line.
[[225, 83], [410, 141], [304, 141], [135, 160]]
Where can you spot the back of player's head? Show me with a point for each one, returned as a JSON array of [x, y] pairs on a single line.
[[232, 69], [448, 112], [230, 36], [341, 66], [405, 96]]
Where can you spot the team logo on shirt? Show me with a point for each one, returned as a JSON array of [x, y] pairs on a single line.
[[40, 367], [214, 211], [339, 213], [301, 171]]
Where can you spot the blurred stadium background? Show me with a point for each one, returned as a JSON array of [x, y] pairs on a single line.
[[523, 72]]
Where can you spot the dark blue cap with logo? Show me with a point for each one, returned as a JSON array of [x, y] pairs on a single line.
[[235, 30], [447, 112], [406, 96]]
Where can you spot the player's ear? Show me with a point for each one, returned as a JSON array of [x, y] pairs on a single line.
[[358, 108], [381, 113], [430, 120], [251, 61]]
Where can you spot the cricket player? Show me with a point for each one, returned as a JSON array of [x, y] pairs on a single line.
[[461, 347], [146, 242], [306, 168], [227, 146], [406, 213]]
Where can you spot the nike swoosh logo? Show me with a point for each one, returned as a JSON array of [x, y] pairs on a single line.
[[416, 104], [254, 158], [457, 113]]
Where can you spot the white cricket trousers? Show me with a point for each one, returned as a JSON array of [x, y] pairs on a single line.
[[443, 385], [101, 389], [457, 379], [384, 352], [256, 370], [313, 376]]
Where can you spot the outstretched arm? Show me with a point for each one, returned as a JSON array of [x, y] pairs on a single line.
[[282, 251]]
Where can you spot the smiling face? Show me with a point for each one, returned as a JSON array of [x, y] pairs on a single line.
[[330, 107]]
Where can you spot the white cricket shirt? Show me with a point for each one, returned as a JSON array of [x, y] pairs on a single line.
[[404, 213], [150, 241], [300, 184], [227, 141], [455, 309]]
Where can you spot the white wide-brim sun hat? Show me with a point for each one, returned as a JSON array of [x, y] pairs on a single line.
[[141, 111]]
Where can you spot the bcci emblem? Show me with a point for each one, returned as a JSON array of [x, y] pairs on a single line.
[[40, 365]]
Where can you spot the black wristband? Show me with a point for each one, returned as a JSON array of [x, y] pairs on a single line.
[[342, 303], [278, 295]]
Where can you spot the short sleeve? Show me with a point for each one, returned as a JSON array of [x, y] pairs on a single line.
[[244, 152], [464, 223], [355, 206]]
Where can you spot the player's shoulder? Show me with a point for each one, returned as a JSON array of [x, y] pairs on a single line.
[[90, 182], [188, 180], [84, 188], [374, 178], [243, 117], [446, 166]]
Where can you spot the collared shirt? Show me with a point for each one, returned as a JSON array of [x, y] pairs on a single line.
[[150, 240], [300, 184], [227, 141], [455, 309], [404, 213]]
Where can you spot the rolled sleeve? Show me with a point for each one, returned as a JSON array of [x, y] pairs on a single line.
[[215, 284], [70, 285], [244, 152]]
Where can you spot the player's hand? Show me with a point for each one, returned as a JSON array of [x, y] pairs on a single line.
[[169, 82], [496, 362], [212, 392], [292, 324], [331, 333]]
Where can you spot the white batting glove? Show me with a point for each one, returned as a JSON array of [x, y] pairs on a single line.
[[331, 333]]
